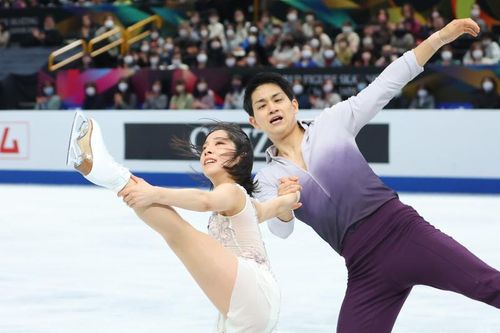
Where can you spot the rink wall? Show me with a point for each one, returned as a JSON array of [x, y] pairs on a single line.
[[415, 151]]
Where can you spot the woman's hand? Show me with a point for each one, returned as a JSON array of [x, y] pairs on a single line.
[[139, 195]]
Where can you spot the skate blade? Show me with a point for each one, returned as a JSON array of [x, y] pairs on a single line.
[[79, 154]]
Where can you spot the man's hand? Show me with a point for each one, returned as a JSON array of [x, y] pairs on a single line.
[[457, 28], [289, 185]]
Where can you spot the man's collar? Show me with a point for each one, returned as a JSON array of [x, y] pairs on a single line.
[[272, 151]]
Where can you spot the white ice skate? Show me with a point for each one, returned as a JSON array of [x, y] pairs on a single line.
[[88, 155]]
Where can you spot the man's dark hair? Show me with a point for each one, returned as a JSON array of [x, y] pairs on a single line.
[[241, 171], [264, 78]]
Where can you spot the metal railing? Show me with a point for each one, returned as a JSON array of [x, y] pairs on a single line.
[[134, 33], [52, 57], [117, 32]]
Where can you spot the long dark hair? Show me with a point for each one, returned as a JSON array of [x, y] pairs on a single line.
[[241, 171]]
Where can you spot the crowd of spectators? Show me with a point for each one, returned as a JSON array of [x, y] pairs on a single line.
[[300, 40]]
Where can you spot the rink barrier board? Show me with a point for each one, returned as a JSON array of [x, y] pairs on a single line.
[[400, 184], [425, 150]]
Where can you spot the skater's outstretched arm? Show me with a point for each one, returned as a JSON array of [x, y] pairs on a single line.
[[425, 50], [357, 111], [224, 198]]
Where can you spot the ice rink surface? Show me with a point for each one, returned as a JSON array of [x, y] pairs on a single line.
[[75, 259]]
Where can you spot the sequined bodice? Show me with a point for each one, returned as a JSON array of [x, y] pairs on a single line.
[[240, 233]]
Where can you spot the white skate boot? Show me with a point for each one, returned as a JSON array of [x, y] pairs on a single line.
[[88, 155]]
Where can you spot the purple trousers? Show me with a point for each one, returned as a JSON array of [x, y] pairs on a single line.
[[394, 249]]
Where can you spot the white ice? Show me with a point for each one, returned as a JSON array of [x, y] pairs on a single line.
[[76, 259]]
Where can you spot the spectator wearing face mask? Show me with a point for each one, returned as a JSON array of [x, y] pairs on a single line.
[[285, 54], [306, 60], [475, 14], [329, 59], [402, 40], [4, 35], [234, 97], [201, 60], [328, 96], [203, 97], [49, 100], [253, 43], [155, 98], [177, 62], [241, 26], [423, 99], [252, 60], [343, 52], [320, 34], [215, 53], [215, 28], [350, 36], [92, 100], [308, 25], [300, 94], [475, 55], [108, 58], [126, 99], [446, 57], [491, 47], [487, 96], [182, 99]]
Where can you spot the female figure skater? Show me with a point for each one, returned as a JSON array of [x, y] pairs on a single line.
[[231, 265]]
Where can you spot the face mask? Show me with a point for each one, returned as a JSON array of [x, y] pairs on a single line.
[[361, 86], [251, 61], [215, 45], [122, 86], [435, 14], [180, 89], [276, 31], [487, 86], [446, 55], [367, 42], [204, 33], [154, 60], [252, 39], [475, 12], [329, 54], [144, 48], [314, 43], [155, 35], [109, 24], [183, 32], [202, 87], [422, 93], [168, 46], [202, 58], [309, 18], [291, 17], [477, 54], [298, 89], [306, 54], [90, 91], [213, 20], [366, 56], [128, 59], [230, 62], [346, 29], [327, 88], [156, 88], [48, 90], [230, 33], [176, 62]]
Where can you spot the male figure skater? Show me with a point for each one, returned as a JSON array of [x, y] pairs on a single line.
[[387, 246]]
